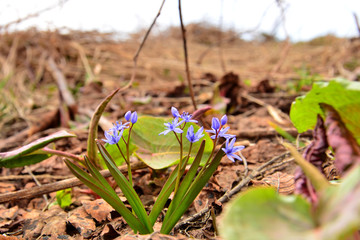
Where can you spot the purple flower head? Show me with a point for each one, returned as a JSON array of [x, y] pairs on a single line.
[[222, 133], [133, 117], [223, 120], [175, 112], [119, 126], [113, 136], [215, 125], [127, 115], [230, 150], [194, 137], [173, 126], [187, 117]]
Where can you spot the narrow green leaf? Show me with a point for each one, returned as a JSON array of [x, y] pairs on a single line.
[[116, 203], [93, 128], [97, 175], [185, 184], [29, 154], [163, 196], [126, 188], [317, 179], [192, 192]]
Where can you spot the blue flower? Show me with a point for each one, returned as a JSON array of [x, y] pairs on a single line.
[[187, 117], [215, 125], [222, 133], [113, 136], [194, 137], [175, 112], [230, 150], [127, 115], [223, 120], [133, 117], [119, 126], [172, 127]]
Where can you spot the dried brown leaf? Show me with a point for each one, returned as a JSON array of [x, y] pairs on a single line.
[[283, 182], [98, 209], [82, 222]]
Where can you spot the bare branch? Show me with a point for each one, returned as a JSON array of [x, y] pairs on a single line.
[[183, 31]]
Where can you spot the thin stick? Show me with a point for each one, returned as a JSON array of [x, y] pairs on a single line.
[[286, 47], [53, 187], [188, 77], [221, 57], [32, 15], [133, 74]]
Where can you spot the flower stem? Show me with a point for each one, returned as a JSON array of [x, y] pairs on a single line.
[[212, 153], [180, 163], [128, 156]]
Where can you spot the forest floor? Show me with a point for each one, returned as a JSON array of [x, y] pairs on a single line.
[[255, 82]]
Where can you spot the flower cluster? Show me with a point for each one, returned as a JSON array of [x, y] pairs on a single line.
[[114, 134], [178, 124], [218, 130]]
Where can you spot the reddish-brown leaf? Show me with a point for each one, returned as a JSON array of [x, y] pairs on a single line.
[[347, 151], [315, 154]]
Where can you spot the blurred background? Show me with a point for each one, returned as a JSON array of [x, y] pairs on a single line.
[[304, 19]]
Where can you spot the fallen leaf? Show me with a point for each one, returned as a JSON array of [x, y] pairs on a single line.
[[282, 182], [7, 187], [82, 222]]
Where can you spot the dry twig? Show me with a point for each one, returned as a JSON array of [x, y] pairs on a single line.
[[53, 187], [188, 77]]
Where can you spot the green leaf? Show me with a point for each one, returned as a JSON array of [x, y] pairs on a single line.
[[261, 213], [93, 128], [163, 151], [341, 94], [31, 153], [63, 198], [114, 151], [338, 213]]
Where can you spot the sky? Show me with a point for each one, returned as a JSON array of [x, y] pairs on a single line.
[[304, 19]]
